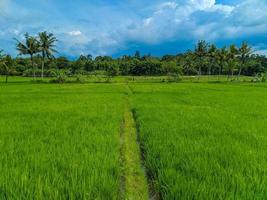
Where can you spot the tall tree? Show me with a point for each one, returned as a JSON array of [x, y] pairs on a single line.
[[244, 53], [6, 64], [46, 45], [232, 59], [222, 59], [232, 66], [188, 63], [212, 57], [201, 53], [30, 47], [2, 55], [3, 65]]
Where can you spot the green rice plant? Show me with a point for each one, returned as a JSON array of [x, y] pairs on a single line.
[[199, 140], [60, 141], [204, 141]]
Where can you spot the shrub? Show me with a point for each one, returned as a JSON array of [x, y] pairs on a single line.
[[260, 77], [60, 76], [80, 78]]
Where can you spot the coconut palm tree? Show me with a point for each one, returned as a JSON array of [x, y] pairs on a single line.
[[5, 64], [233, 51], [232, 59], [2, 55], [46, 46], [244, 53], [222, 59], [188, 63], [201, 53], [30, 47], [232, 66], [212, 57]]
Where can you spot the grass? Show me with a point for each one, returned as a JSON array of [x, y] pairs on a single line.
[[134, 180], [204, 141], [60, 141], [125, 79]]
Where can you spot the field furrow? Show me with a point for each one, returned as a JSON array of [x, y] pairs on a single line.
[[134, 180]]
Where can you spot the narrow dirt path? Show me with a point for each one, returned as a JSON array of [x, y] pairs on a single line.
[[134, 181]]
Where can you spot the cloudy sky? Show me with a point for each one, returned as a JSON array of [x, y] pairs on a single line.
[[117, 27]]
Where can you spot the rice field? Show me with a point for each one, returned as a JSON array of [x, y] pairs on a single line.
[[60, 141], [204, 141], [197, 140]]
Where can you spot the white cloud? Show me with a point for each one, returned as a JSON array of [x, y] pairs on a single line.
[[201, 19], [173, 20], [223, 8], [260, 49], [261, 52], [201, 4], [169, 4], [251, 12], [209, 6], [158, 22], [159, 25], [79, 42], [75, 33], [206, 31], [249, 18]]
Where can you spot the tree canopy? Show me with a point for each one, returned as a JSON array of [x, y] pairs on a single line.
[[205, 59]]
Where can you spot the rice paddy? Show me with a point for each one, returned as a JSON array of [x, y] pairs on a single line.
[[81, 141], [204, 141], [60, 141]]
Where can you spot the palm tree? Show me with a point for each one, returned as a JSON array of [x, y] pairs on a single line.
[[1, 55], [188, 63], [244, 53], [221, 58], [201, 53], [46, 46], [30, 47], [233, 51], [5, 64], [212, 57], [232, 61], [232, 66]]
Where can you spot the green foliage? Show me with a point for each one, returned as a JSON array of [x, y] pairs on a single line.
[[6, 66], [60, 63], [172, 70], [201, 53], [260, 77], [173, 77], [60, 76], [206, 59], [112, 69], [29, 47], [46, 43], [80, 78], [171, 67]]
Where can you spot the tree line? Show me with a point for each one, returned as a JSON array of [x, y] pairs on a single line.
[[36, 59]]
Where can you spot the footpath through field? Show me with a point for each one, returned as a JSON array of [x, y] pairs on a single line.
[[134, 183]]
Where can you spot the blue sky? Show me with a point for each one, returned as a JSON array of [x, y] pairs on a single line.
[[117, 27]]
